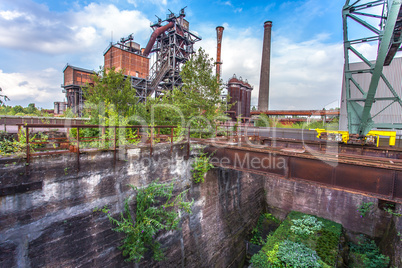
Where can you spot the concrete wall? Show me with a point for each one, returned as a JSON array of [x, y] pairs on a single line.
[[47, 218], [283, 196]]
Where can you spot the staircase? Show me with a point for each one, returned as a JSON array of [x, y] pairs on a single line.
[[158, 76]]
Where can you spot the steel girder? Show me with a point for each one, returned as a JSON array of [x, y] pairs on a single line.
[[388, 36]]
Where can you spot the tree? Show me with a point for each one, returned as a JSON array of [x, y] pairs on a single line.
[[110, 86], [18, 109], [31, 109], [4, 97], [197, 103]]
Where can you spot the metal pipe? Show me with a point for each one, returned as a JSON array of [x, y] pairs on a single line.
[[154, 35], [219, 33], [263, 96]]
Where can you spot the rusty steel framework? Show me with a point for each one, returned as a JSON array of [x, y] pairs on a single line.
[[173, 45]]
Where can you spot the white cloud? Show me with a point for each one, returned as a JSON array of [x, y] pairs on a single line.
[[10, 15], [70, 32], [155, 2], [306, 75], [41, 87]]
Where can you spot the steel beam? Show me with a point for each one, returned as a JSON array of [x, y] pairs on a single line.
[[360, 120]]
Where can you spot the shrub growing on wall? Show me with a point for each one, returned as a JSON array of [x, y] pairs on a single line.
[[156, 210]]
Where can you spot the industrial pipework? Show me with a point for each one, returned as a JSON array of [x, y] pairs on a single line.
[[263, 96], [219, 33], [154, 35]]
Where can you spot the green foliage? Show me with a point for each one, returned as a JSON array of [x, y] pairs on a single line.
[[273, 259], [328, 235], [156, 210], [110, 117], [201, 166], [367, 254], [196, 104], [260, 260], [18, 146], [264, 121], [68, 113], [297, 255], [327, 246], [3, 98], [18, 110], [364, 208], [390, 211], [306, 226], [389, 208], [110, 87], [256, 233]]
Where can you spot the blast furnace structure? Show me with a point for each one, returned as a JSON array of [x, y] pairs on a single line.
[[171, 42]]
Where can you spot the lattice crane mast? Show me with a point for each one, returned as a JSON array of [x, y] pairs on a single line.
[[368, 21]]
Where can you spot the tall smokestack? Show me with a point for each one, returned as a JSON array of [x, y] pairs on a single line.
[[263, 96], [219, 32]]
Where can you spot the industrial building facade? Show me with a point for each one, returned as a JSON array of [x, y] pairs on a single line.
[[391, 114], [74, 79], [240, 98]]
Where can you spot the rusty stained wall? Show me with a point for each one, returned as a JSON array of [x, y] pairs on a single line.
[[283, 195], [47, 216], [132, 64], [74, 76]]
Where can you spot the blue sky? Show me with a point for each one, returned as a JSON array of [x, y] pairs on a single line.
[[38, 38]]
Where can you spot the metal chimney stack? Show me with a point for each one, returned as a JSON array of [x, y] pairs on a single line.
[[263, 96], [219, 32]]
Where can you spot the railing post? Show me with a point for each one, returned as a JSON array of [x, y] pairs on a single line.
[[27, 141], [171, 140], [78, 148], [19, 132], [115, 142], [152, 140], [188, 142]]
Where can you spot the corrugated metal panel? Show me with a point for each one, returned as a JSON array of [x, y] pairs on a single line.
[[392, 114]]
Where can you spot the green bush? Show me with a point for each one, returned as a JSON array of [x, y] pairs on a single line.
[[260, 260], [306, 226], [367, 254], [328, 235], [364, 208], [156, 210], [297, 255], [18, 147], [201, 166]]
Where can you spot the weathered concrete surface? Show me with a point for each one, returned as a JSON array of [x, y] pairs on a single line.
[[283, 196], [391, 243], [47, 218]]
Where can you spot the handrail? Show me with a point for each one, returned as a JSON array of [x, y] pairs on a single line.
[[69, 143]]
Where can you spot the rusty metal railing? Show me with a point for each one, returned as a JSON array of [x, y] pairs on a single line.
[[72, 145]]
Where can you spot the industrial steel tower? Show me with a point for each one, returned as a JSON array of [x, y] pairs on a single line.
[[173, 45]]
